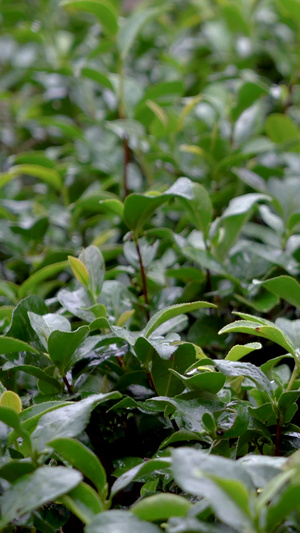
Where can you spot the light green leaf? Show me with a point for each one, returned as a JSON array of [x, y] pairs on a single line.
[[67, 421], [166, 314], [195, 472], [161, 507], [138, 207], [237, 352], [254, 328], [48, 175], [202, 381], [9, 417], [103, 10], [281, 128], [117, 521], [43, 325], [83, 501], [291, 8], [92, 258], [32, 283], [79, 270], [34, 490], [234, 369], [114, 205], [11, 400], [199, 209], [133, 25], [97, 76], [9, 345], [285, 287], [83, 459]]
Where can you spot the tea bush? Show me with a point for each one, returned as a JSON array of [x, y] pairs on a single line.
[[150, 247]]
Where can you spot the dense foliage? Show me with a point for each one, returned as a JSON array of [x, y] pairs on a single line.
[[150, 201]]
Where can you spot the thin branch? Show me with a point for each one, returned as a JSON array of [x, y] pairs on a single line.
[[67, 384], [278, 436], [144, 279], [125, 140], [293, 378]]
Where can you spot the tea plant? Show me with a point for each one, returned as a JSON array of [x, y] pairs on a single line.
[[150, 237]]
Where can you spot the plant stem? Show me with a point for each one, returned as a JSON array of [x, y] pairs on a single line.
[[125, 144], [151, 382], [293, 378], [144, 279], [67, 384], [278, 435]]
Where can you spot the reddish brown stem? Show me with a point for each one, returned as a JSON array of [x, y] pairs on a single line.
[[278, 436], [208, 281], [144, 279], [151, 382], [67, 384]]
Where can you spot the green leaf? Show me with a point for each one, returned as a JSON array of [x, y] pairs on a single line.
[[233, 219], [260, 330], [202, 381], [161, 507], [165, 91], [286, 503], [92, 258], [285, 287], [62, 345], [45, 324], [233, 15], [20, 327], [11, 400], [199, 209], [170, 312], [114, 205], [291, 8], [291, 328], [68, 421], [48, 175], [133, 25], [127, 127], [79, 270], [103, 10], [138, 471], [29, 417], [36, 372], [249, 123], [34, 490], [240, 350], [32, 283], [83, 501], [11, 418], [293, 221], [64, 124], [12, 470], [97, 76], [120, 521], [234, 369], [195, 473], [82, 459], [138, 207], [166, 383], [9, 345], [281, 129]]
